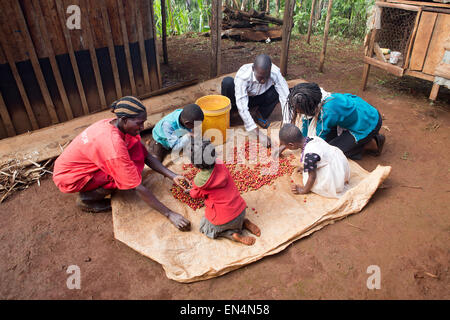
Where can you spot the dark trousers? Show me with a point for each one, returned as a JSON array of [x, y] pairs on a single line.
[[266, 101], [347, 143]]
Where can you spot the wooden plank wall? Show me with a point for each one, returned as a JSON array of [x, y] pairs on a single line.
[[50, 74]]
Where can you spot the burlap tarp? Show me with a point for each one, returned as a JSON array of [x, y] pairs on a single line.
[[282, 217]]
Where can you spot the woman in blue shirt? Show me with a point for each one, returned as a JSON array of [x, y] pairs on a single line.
[[343, 120]]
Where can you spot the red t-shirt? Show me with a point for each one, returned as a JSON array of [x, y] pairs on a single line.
[[103, 147], [222, 198]]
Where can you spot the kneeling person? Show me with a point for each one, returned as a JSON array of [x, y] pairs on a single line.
[[225, 208], [326, 169], [173, 132]]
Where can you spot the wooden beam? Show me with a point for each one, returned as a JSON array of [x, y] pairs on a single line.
[[411, 40], [72, 57], [434, 91], [164, 31], [421, 3], [287, 28], [35, 63], [90, 42], [142, 46], [365, 76], [397, 6], [156, 76], [4, 114], [111, 50], [310, 21], [19, 83], [419, 75], [385, 66], [51, 55], [325, 36], [216, 31], [126, 46], [169, 89]]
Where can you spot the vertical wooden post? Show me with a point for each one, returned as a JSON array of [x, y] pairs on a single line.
[[4, 115], [164, 31], [287, 28], [35, 64], [369, 52], [310, 21], [19, 83], [216, 30], [434, 91], [73, 60], [142, 51], [111, 50], [51, 55], [126, 46], [87, 32], [325, 36], [155, 76]]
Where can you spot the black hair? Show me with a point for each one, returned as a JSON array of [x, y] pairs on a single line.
[[192, 113], [263, 62], [305, 96], [203, 155], [290, 133], [128, 107]]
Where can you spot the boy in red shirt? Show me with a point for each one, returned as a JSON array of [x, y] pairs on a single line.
[[225, 208]]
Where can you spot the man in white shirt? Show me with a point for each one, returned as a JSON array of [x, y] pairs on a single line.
[[259, 84]]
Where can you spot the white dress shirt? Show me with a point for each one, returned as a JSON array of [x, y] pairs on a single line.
[[246, 85]]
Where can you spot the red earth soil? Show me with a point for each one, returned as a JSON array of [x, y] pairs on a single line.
[[404, 229]]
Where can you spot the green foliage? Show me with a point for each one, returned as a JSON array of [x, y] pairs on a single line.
[[348, 17], [183, 16]]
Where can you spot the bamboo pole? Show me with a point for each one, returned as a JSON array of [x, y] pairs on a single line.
[[325, 36], [310, 21]]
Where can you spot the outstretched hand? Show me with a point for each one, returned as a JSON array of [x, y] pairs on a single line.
[[182, 182], [264, 140], [179, 221]]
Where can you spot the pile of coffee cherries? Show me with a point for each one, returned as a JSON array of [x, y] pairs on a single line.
[[246, 177]]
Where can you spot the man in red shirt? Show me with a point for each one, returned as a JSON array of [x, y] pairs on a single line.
[[109, 155]]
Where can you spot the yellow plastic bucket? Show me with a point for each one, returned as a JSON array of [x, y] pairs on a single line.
[[216, 109]]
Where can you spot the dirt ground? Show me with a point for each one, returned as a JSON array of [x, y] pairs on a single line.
[[404, 229]]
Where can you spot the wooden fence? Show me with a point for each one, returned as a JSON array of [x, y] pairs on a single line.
[[51, 72]]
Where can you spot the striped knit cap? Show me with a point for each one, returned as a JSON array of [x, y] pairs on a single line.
[[128, 107]]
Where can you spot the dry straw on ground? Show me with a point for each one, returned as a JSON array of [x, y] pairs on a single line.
[[19, 175]]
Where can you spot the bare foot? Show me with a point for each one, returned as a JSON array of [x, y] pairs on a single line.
[[253, 228], [243, 239]]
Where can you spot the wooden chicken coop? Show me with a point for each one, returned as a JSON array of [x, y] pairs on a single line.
[[52, 71], [420, 32]]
